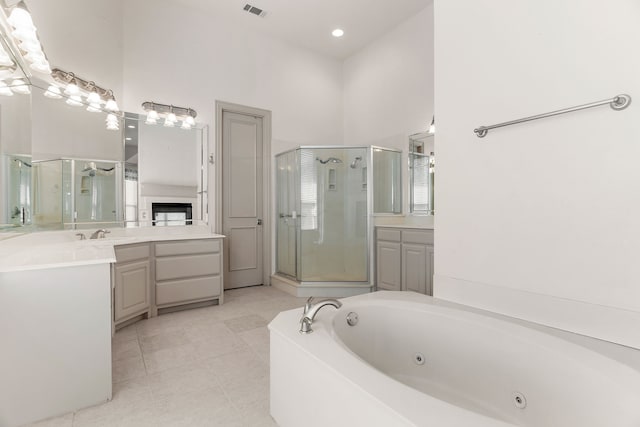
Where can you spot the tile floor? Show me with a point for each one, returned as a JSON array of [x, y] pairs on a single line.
[[200, 367]]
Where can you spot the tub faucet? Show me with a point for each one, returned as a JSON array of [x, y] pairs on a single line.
[[310, 311], [99, 234]]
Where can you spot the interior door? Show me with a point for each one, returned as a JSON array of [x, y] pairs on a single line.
[[242, 199]]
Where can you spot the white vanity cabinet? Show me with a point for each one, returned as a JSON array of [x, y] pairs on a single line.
[[404, 259], [131, 282], [188, 271]]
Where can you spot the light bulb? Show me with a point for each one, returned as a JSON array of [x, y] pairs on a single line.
[[53, 92], [432, 127], [152, 117], [94, 107], [41, 67], [19, 86], [111, 105], [4, 89], [171, 117], [7, 72], [190, 120], [26, 35], [94, 98], [20, 17], [72, 89], [185, 125], [30, 46], [168, 123], [5, 59], [74, 101], [112, 122]]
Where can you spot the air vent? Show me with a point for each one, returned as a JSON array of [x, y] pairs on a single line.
[[255, 10]]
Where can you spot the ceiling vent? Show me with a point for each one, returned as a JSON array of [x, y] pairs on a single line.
[[255, 10]]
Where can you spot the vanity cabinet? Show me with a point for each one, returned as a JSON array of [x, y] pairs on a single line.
[[187, 271], [131, 282], [404, 259]]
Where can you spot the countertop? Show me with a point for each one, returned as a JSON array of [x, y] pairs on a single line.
[[54, 249], [417, 226]]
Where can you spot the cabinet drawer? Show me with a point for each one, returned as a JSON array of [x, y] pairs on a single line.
[[188, 247], [178, 267], [388, 234], [187, 290], [417, 236], [128, 253]]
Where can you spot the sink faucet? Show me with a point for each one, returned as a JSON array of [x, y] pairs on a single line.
[[310, 311], [99, 234]]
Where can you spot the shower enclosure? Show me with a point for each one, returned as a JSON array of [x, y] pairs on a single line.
[[70, 193], [322, 229]]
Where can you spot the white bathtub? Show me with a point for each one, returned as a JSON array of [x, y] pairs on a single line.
[[478, 370]]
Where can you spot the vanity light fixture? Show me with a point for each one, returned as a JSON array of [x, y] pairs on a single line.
[[171, 114], [75, 87], [26, 37]]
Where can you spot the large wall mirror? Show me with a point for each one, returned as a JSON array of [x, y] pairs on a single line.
[[60, 167], [421, 174]]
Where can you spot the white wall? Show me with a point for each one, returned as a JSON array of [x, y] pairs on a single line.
[[84, 37], [388, 88], [539, 220], [178, 55]]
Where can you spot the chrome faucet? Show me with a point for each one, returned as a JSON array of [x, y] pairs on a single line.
[[310, 311], [99, 234]]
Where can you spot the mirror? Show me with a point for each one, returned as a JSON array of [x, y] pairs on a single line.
[[387, 181], [421, 174], [165, 174], [61, 167]]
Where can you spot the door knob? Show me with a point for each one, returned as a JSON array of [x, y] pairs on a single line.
[[259, 221]]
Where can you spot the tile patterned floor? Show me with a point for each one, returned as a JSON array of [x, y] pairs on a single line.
[[200, 367]]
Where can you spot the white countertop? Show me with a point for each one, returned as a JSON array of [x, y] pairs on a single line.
[[54, 249]]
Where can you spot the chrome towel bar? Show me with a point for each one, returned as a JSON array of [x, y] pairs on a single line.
[[617, 103]]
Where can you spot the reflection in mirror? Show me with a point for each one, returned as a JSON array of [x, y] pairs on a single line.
[[72, 193], [165, 174], [387, 181], [421, 174]]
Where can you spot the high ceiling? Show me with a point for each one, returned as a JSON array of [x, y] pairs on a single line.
[[308, 23]]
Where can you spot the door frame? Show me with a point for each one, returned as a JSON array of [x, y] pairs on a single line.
[[265, 115]]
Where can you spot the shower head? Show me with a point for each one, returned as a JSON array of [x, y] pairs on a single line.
[[355, 162], [329, 160], [21, 163], [93, 169]]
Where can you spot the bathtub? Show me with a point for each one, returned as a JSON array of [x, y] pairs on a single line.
[[411, 360]]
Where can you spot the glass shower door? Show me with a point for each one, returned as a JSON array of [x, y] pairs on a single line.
[[333, 215], [286, 214]]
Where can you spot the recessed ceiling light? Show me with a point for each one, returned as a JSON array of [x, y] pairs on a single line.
[[337, 32], [131, 127], [128, 139]]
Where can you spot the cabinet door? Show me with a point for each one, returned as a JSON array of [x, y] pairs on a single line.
[[388, 265], [414, 267], [131, 293]]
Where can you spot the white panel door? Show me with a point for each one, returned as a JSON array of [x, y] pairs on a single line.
[[242, 199]]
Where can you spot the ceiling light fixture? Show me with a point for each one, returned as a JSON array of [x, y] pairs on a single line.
[[337, 32], [171, 114]]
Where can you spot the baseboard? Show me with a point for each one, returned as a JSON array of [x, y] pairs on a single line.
[[603, 322]]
